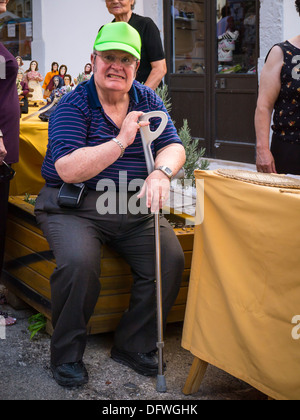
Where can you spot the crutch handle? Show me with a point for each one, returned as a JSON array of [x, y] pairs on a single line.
[[149, 136]]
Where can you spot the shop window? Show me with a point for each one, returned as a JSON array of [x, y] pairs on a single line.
[[188, 18], [16, 28], [236, 36]]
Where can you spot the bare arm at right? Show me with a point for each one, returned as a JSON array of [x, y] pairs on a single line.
[[269, 89], [159, 70]]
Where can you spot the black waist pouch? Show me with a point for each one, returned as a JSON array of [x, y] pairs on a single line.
[[71, 195], [6, 172]]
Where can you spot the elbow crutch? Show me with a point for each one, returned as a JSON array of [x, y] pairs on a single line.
[[147, 138]]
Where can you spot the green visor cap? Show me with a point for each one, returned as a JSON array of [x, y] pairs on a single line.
[[119, 36]]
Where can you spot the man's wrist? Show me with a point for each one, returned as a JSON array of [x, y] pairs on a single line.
[[120, 145], [167, 171], [1, 134]]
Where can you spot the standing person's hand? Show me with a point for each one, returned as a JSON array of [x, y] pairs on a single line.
[[3, 151], [265, 161]]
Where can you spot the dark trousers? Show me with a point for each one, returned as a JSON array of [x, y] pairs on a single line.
[[76, 237], [286, 156], [4, 192]]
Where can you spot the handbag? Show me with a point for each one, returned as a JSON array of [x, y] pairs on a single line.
[[6, 172]]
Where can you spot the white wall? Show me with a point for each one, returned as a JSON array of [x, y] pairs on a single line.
[[279, 21], [65, 30], [291, 20], [271, 27]]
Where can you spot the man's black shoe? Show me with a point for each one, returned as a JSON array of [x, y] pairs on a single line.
[[143, 363], [70, 374]]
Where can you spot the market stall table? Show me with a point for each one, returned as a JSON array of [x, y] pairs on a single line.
[[242, 312], [33, 146]]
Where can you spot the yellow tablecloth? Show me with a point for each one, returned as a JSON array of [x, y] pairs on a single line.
[[244, 287], [33, 145]]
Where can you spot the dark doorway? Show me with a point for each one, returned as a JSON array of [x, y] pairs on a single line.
[[212, 49]]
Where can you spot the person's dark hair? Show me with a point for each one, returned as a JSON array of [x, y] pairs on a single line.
[[297, 3]]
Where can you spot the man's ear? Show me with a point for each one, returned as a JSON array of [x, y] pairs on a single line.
[[92, 61], [137, 66]]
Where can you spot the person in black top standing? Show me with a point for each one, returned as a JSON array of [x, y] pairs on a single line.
[[153, 64], [280, 91]]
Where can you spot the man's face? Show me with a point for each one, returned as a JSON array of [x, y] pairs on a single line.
[[114, 70]]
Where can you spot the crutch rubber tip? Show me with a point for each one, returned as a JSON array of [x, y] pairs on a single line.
[[161, 383]]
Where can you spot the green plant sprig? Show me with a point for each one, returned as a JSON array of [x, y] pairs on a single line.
[[36, 323]]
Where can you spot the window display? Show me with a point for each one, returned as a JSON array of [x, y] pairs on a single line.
[[16, 28], [236, 36], [188, 19]]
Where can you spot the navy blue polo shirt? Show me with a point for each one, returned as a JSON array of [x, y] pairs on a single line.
[[80, 121]]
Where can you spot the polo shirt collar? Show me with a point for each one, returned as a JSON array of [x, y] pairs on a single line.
[[93, 96]]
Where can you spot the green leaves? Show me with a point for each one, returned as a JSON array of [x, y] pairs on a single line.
[[36, 323], [193, 152], [29, 200], [163, 93]]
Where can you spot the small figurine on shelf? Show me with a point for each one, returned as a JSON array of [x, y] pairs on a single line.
[[68, 82], [23, 92], [48, 77], [56, 94], [86, 75], [61, 72], [33, 79], [20, 63], [57, 84]]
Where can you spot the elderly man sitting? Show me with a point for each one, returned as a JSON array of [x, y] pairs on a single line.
[[94, 137]]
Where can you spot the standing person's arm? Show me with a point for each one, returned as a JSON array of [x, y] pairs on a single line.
[[158, 72], [269, 89], [155, 53]]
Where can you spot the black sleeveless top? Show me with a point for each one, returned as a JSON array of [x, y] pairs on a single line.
[[286, 117]]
